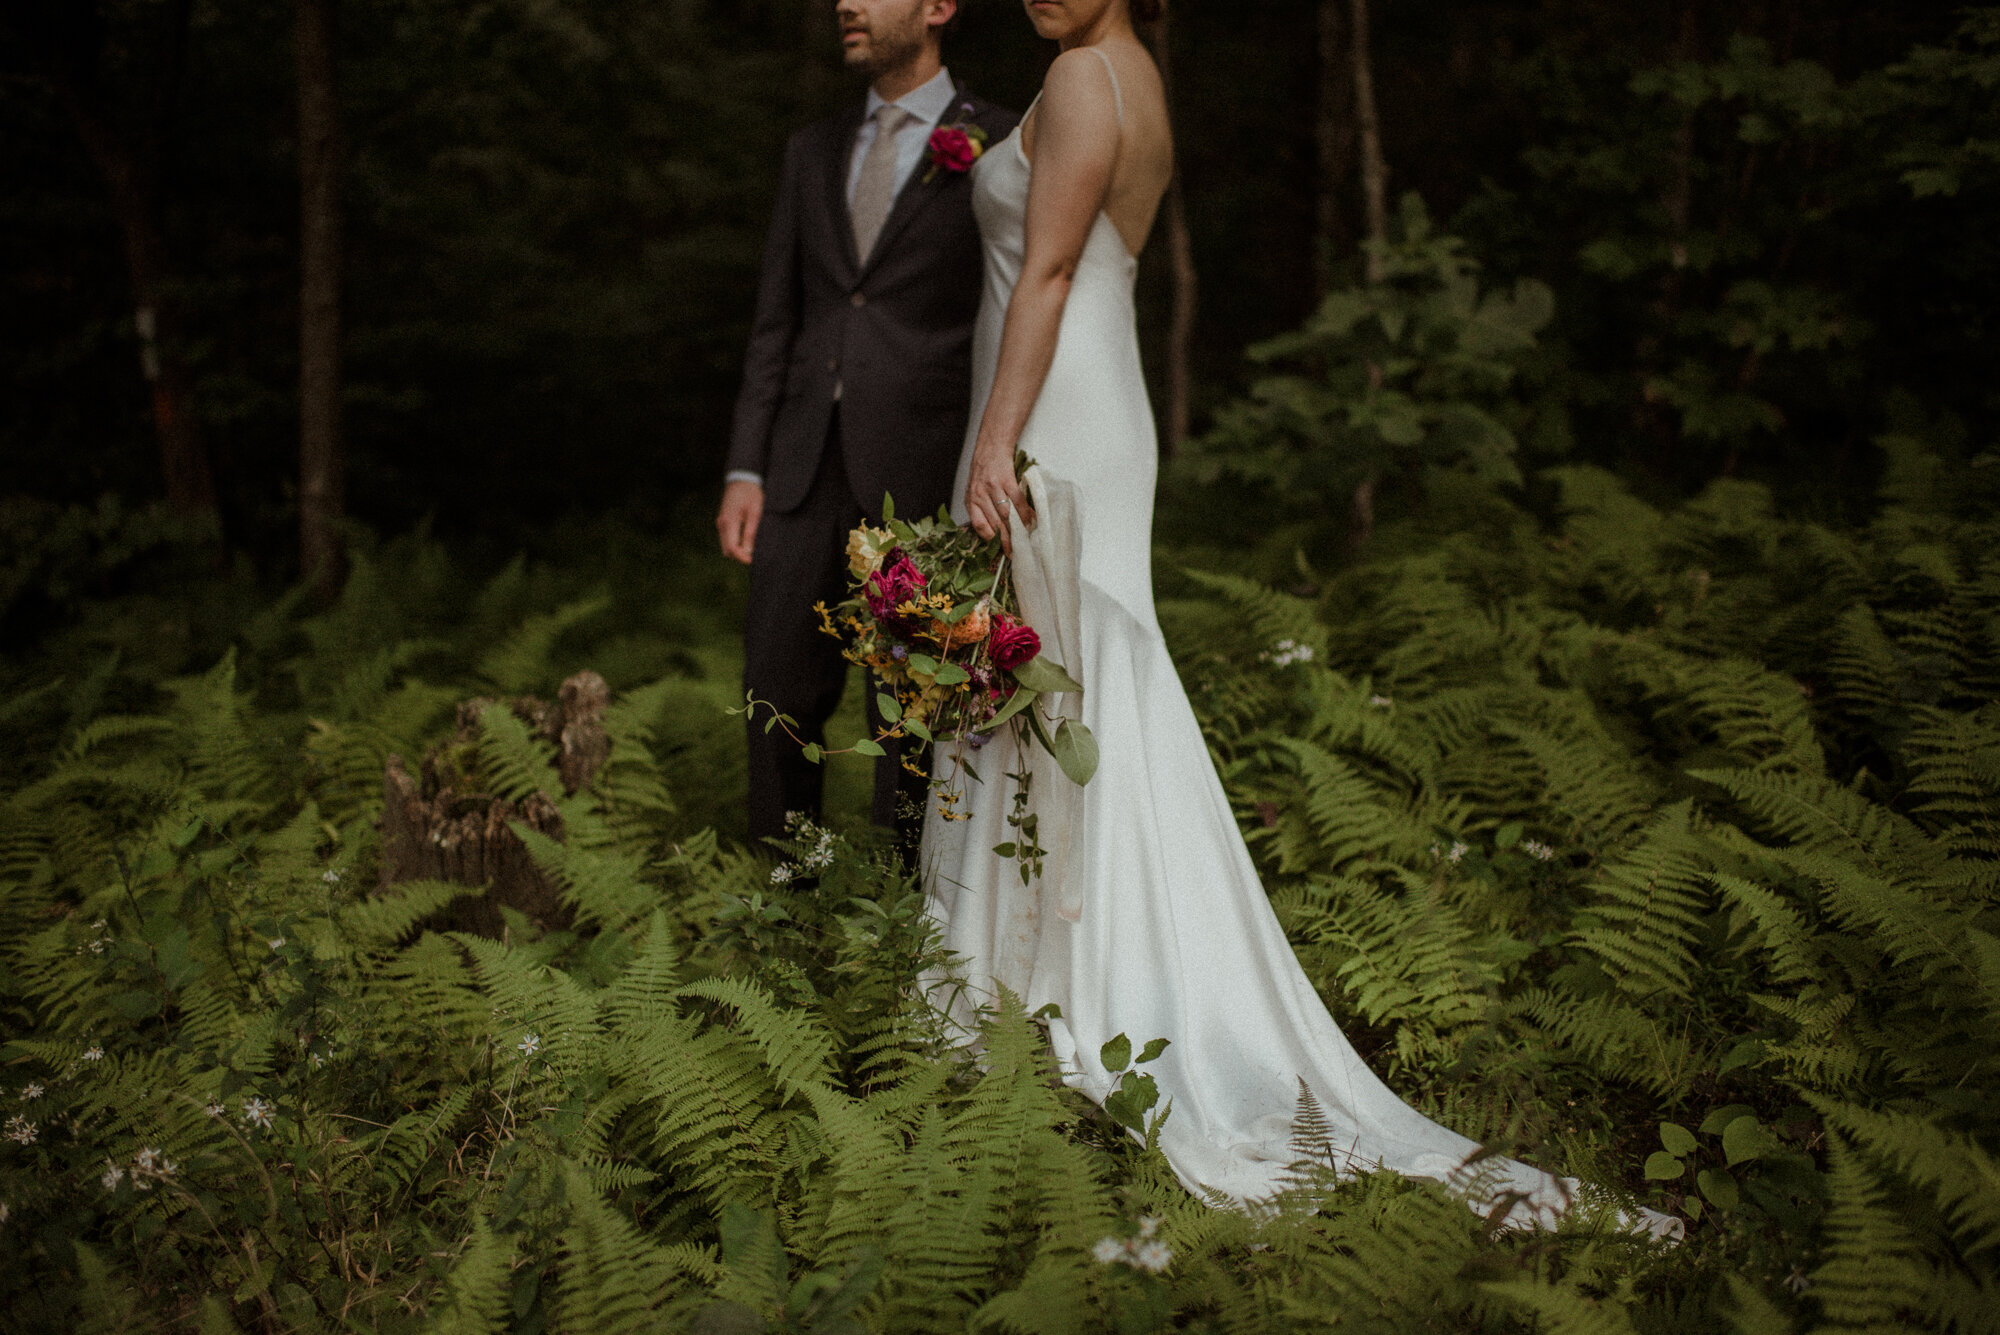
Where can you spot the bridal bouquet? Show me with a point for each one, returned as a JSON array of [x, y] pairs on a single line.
[[934, 617]]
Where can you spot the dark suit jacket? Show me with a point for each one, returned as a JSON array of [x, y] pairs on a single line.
[[893, 329]]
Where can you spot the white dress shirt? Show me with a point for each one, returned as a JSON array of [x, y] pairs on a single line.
[[927, 106]]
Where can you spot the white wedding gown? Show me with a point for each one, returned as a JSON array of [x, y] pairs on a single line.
[[1150, 919]]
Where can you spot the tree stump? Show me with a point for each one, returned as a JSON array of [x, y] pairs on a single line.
[[432, 831]]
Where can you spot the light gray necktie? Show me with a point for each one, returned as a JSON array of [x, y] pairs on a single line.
[[875, 192]]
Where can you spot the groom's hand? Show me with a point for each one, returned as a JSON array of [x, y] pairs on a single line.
[[742, 512]]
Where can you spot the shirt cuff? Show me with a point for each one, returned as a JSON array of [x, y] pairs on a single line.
[[743, 475]]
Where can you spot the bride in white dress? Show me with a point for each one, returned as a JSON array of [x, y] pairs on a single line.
[[1150, 919]]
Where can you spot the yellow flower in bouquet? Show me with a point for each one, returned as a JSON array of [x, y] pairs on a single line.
[[865, 549]]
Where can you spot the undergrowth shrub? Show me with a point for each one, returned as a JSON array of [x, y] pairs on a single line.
[[1657, 847]]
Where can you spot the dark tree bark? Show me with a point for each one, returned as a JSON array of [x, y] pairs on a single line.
[[322, 457], [1186, 278], [1375, 200], [1374, 169], [1333, 141], [67, 42]]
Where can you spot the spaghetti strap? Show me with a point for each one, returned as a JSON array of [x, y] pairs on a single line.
[[1117, 93]]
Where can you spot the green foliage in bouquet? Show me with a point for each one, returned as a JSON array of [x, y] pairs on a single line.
[[934, 619]]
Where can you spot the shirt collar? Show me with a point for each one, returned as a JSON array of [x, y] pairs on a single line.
[[928, 103]]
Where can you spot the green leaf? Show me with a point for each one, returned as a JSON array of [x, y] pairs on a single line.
[[1005, 850], [1076, 751], [888, 507], [814, 752], [1116, 1055], [187, 833], [1719, 1187], [727, 1319], [1152, 1051], [917, 730], [1040, 674], [1018, 701], [1745, 1139], [868, 748], [136, 1005], [951, 674], [1663, 1167], [1713, 1124], [1135, 1096], [891, 708], [923, 665], [1509, 835], [1677, 1138]]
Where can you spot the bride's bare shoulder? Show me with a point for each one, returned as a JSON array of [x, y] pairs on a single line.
[[1078, 86]]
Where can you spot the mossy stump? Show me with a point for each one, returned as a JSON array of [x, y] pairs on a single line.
[[438, 826]]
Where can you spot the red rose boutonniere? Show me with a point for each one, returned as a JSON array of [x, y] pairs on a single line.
[[955, 147]]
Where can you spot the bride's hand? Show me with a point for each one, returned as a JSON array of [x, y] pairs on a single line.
[[992, 492]]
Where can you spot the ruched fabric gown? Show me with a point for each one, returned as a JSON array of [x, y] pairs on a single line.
[[1150, 919]]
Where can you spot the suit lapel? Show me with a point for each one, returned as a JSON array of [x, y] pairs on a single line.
[[916, 192], [839, 160]]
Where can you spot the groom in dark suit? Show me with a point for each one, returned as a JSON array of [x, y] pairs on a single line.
[[858, 377]]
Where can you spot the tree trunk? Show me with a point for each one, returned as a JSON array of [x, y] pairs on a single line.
[[322, 461], [1374, 170], [130, 170], [1333, 140], [1186, 279], [1653, 417], [1375, 198]]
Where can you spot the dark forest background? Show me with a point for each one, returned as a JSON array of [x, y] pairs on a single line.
[[1764, 225]]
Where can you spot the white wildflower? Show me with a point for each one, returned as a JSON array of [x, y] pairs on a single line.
[[1287, 652], [97, 946], [1109, 1250], [113, 1175], [1798, 1281], [530, 1045], [215, 1110], [93, 1053], [314, 1060], [20, 1130], [781, 875], [331, 876], [1149, 1226], [1380, 702], [151, 1165], [257, 1113], [1152, 1257], [29, 1093], [1456, 853], [821, 856], [1536, 849], [276, 943]]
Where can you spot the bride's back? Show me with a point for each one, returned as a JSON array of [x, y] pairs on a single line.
[[1124, 104]]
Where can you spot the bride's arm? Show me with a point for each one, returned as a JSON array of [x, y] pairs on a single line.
[[1076, 148]]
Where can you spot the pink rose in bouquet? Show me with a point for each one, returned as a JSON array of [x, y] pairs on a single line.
[[897, 582], [953, 150], [1012, 643]]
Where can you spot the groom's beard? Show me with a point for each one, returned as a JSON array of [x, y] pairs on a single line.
[[888, 50]]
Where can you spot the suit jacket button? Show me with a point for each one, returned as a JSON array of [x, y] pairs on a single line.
[[833, 366], [858, 300]]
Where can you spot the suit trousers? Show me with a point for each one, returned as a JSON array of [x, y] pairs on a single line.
[[791, 662]]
